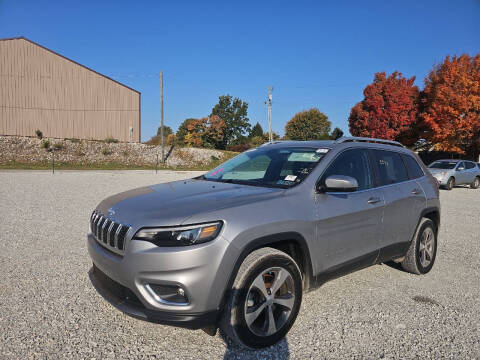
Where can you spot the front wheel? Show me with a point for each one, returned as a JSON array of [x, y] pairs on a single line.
[[476, 183], [264, 301], [450, 183]]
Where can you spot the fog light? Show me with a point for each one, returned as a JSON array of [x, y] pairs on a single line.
[[168, 294]]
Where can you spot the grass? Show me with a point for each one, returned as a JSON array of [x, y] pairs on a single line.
[[47, 165]]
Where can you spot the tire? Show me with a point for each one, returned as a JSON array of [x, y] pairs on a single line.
[[262, 266], [414, 261], [476, 183], [450, 184]]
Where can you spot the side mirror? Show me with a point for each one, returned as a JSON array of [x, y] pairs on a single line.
[[339, 183], [461, 168]]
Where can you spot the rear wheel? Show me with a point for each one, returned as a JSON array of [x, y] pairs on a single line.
[[423, 249], [265, 299], [476, 183], [450, 183]]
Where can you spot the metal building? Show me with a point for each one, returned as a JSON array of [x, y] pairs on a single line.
[[41, 89]]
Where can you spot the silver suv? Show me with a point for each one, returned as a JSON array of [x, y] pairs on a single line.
[[236, 247], [450, 173]]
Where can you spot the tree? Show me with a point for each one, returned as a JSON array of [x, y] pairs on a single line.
[[205, 132], [451, 105], [308, 125], [256, 131], [389, 109], [183, 130], [337, 133], [171, 139], [167, 130], [234, 113]]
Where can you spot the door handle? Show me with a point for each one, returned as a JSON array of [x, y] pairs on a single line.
[[373, 200], [416, 191]]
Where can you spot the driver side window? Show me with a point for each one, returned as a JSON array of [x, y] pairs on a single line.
[[353, 163]]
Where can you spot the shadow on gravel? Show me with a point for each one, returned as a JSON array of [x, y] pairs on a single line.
[[394, 265], [278, 351]]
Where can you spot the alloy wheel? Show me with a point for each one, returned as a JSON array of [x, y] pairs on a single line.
[[270, 300], [426, 247]]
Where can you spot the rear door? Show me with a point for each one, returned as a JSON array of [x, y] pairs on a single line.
[[470, 172], [404, 200], [348, 224]]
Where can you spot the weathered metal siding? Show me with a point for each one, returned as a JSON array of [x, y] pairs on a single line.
[[42, 90]]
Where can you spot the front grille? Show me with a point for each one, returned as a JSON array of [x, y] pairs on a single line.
[[109, 233]]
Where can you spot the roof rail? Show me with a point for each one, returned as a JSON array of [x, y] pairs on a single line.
[[273, 142], [369, 140]]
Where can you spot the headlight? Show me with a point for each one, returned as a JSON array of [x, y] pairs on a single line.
[[181, 235]]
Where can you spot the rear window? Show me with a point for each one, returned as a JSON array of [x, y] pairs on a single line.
[[390, 166], [414, 170]]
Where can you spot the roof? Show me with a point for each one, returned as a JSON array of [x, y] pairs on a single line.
[[66, 58]]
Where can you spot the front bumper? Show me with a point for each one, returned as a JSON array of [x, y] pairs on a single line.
[[123, 280], [442, 180], [126, 301]]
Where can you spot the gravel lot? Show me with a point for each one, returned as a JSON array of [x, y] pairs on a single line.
[[48, 308]]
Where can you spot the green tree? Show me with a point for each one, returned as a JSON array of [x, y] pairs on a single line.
[[308, 125], [337, 133], [234, 113], [256, 131], [167, 130]]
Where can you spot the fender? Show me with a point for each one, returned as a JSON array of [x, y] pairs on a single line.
[[272, 240]]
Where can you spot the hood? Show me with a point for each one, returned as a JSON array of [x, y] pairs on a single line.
[[434, 171], [173, 203]]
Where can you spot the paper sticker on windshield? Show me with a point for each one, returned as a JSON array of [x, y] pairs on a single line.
[[290, 178], [322, 151]]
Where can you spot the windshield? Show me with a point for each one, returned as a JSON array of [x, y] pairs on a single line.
[[266, 166], [443, 165]]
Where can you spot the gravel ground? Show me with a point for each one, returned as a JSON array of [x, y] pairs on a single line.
[[48, 308]]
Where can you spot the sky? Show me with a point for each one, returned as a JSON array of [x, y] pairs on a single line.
[[314, 53]]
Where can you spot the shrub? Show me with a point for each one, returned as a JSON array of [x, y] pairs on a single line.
[[111, 140], [39, 134], [58, 146], [106, 152], [74, 140], [45, 144]]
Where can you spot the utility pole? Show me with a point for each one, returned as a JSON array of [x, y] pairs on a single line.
[[161, 112], [270, 133]]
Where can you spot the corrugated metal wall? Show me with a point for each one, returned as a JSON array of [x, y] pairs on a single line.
[[43, 90]]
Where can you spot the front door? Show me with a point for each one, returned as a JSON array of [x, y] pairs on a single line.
[[461, 176], [349, 224]]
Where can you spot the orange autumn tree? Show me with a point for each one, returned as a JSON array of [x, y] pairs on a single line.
[[389, 109], [205, 132], [451, 105]]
